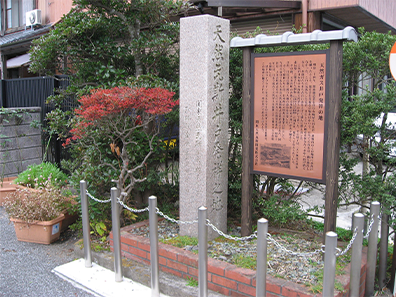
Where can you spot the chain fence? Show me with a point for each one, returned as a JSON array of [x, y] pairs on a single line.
[[370, 226], [97, 200], [338, 253]]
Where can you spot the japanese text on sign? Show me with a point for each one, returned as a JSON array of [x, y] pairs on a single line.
[[289, 115]]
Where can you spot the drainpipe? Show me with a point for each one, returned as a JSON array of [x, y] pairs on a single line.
[[304, 8]]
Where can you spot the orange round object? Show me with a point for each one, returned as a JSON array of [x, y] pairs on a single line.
[[392, 61]]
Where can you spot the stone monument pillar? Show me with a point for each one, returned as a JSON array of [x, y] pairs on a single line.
[[204, 96]]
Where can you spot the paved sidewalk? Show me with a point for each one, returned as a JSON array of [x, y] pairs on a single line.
[[58, 270], [25, 268]]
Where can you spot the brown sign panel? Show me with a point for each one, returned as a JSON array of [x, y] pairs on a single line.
[[289, 114]]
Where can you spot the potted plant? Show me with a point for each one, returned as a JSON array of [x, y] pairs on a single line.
[[7, 186], [37, 175], [37, 213]]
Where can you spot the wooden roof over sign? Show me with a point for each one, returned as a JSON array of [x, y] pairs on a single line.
[[250, 3], [244, 8], [289, 38]]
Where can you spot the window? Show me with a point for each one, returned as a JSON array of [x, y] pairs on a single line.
[[15, 12], [12, 13]]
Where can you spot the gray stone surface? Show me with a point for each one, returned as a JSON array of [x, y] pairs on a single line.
[[25, 268], [204, 85], [20, 143]]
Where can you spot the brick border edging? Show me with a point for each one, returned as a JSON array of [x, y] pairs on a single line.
[[223, 277]]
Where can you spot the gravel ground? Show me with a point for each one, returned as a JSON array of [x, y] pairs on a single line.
[[304, 268], [25, 268]]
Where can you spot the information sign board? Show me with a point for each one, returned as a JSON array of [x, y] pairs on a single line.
[[289, 114]]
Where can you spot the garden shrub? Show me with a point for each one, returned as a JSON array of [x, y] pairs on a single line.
[[37, 174]]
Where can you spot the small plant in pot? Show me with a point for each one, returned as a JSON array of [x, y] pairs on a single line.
[[37, 174], [37, 213]]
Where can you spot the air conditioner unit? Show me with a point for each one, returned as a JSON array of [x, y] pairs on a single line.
[[33, 17]]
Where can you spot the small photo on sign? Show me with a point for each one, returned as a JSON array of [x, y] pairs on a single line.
[[276, 155]]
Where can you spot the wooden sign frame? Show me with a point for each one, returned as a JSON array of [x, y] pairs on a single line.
[[289, 114]]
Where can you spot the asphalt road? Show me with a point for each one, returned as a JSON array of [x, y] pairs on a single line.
[[25, 268]]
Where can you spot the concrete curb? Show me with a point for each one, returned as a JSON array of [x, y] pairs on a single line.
[[169, 284]]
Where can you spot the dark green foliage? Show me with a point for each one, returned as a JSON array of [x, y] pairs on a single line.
[[280, 212], [38, 174], [369, 93]]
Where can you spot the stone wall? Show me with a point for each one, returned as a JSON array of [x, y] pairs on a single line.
[[20, 142]]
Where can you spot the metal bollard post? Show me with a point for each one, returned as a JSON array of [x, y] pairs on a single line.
[[202, 252], [358, 222], [153, 223], [115, 219], [329, 264], [117, 182], [261, 270], [85, 223], [372, 249], [383, 252]]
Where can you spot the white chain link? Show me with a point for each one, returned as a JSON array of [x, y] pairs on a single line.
[[173, 220], [298, 254], [369, 228], [131, 209], [97, 200], [235, 238], [254, 235], [341, 253]]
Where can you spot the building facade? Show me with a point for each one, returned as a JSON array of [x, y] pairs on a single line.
[[280, 16], [274, 16], [22, 21]]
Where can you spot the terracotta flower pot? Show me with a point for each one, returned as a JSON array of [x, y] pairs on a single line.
[[69, 218], [44, 232], [6, 187]]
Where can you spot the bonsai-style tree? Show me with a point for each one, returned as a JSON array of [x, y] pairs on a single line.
[[124, 120], [105, 43]]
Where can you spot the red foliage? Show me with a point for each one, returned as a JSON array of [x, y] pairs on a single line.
[[104, 104]]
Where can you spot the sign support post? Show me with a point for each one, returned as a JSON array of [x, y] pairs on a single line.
[[247, 178], [335, 38], [333, 136]]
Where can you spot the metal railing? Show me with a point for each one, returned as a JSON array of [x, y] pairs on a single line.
[[330, 250]]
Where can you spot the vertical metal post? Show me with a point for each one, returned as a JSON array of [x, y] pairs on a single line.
[[202, 252], [117, 182], [153, 222], [383, 252], [247, 177], [372, 249], [85, 223], [115, 219], [261, 267], [358, 222], [329, 263]]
